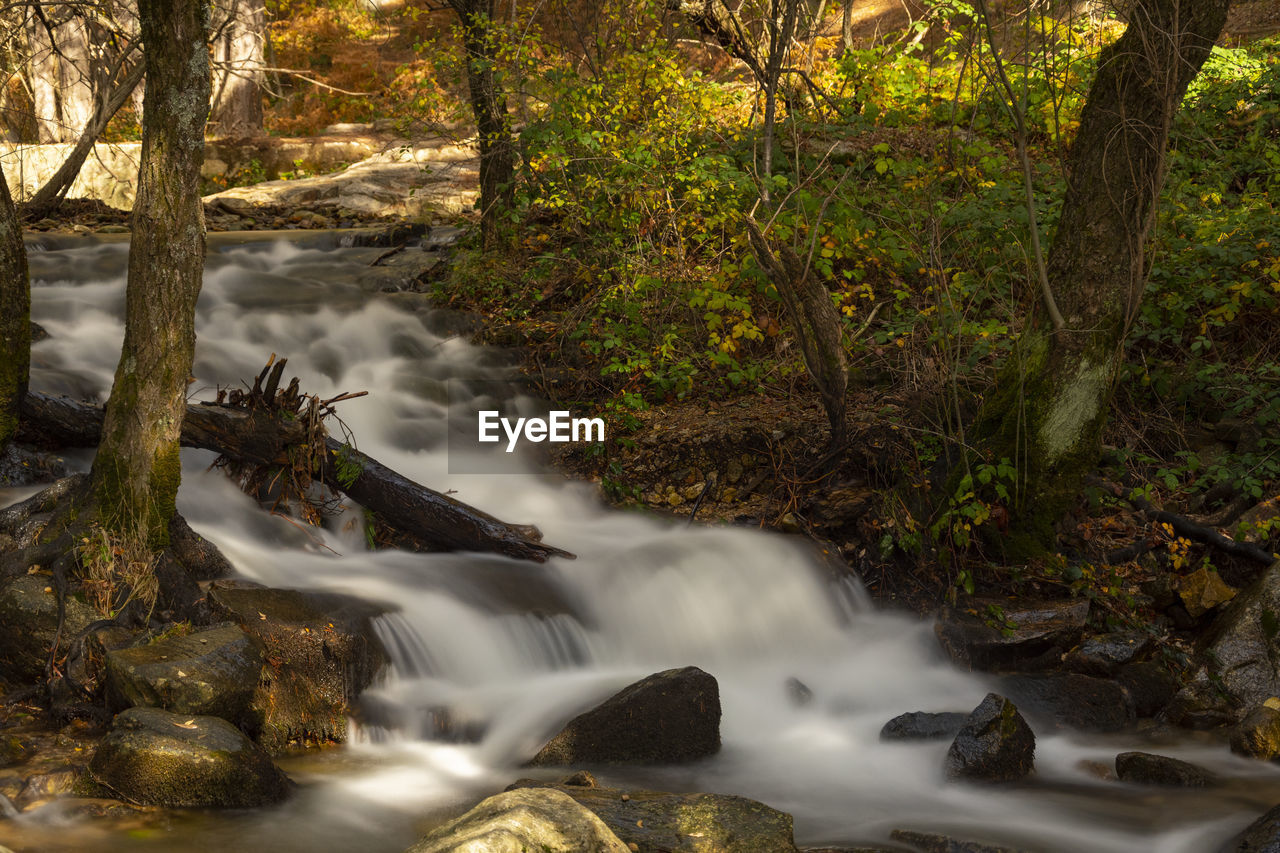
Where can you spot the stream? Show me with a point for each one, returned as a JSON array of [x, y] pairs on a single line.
[[514, 649]]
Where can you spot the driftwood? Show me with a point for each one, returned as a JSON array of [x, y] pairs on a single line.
[[421, 514]]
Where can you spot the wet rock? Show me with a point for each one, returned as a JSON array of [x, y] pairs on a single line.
[[920, 725], [1071, 700], [669, 717], [38, 333], [990, 635], [658, 822], [321, 652], [1150, 686], [44, 786], [527, 819], [929, 842], [200, 557], [994, 745], [1261, 836], [1144, 768], [1202, 704], [1243, 645], [154, 757], [1104, 654], [580, 779], [29, 623], [212, 672], [1258, 734]]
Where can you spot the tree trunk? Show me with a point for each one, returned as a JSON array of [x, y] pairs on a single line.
[[489, 105], [15, 317], [237, 86], [136, 472], [1050, 402]]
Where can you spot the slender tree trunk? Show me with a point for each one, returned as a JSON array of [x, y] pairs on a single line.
[[136, 473], [237, 86], [489, 105], [15, 317], [1050, 403]]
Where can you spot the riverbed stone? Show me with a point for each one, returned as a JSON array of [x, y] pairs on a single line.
[[1031, 636], [666, 718], [213, 672], [1242, 647], [660, 822], [1071, 700], [995, 744], [920, 725], [528, 819], [155, 757], [29, 623], [1258, 734], [1149, 684], [1145, 768], [321, 651]]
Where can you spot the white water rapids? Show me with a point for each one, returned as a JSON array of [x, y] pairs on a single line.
[[515, 649]]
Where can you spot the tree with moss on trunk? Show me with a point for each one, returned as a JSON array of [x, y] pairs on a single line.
[[136, 471], [1050, 403]]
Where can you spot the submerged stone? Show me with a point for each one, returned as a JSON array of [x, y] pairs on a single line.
[[1145, 768], [668, 717]]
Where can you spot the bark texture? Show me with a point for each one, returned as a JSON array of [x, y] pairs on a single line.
[[489, 106], [136, 472], [238, 53], [1050, 404], [15, 317]]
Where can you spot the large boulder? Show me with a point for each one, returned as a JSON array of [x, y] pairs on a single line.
[[29, 623], [1072, 701], [993, 635], [155, 757], [995, 745], [213, 672], [321, 652], [1149, 684], [669, 717], [1243, 645], [659, 822], [1145, 768], [921, 725], [527, 819], [1261, 836]]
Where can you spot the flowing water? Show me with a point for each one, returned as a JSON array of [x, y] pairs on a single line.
[[514, 649]]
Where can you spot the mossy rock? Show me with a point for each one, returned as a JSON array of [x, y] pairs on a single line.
[[528, 819], [995, 745], [659, 822], [213, 672], [155, 757]]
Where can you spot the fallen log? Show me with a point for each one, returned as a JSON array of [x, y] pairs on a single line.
[[257, 437]]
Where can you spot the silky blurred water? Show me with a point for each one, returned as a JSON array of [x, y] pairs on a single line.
[[513, 649]]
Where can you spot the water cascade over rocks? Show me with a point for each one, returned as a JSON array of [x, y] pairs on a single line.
[[490, 657]]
